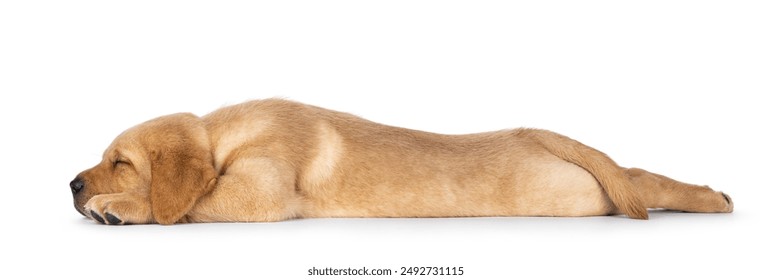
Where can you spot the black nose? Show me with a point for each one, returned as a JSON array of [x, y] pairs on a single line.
[[76, 185]]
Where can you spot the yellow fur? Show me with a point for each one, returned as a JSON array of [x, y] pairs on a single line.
[[271, 160]]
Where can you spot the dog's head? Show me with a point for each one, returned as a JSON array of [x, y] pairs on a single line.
[[167, 160]]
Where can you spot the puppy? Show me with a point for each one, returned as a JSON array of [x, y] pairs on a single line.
[[272, 160]]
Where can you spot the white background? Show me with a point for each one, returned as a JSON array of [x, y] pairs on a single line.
[[676, 87]]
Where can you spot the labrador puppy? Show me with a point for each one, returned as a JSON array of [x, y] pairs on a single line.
[[272, 160]]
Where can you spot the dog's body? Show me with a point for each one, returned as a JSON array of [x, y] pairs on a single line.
[[272, 160]]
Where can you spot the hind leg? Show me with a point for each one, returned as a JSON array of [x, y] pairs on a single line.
[[658, 191]]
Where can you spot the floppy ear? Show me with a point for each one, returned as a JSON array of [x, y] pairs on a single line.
[[181, 165]]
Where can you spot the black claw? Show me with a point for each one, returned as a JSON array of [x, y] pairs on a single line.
[[726, 197], [113, 220], [97, 217]]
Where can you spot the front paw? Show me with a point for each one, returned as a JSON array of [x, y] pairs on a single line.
[[119, 209]]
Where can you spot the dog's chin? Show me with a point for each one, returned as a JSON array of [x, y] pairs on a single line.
[[78, 208]]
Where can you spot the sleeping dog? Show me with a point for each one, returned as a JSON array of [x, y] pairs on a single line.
[[272, 160]]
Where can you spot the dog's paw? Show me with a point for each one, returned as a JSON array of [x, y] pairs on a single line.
[[729, 204], [119, 209]]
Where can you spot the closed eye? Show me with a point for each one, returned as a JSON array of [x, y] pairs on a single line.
[[119, 162]]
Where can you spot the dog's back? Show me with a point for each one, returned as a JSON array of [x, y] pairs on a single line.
[[350, 167]]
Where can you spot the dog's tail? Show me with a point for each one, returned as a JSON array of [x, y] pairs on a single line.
[[611, 176]]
